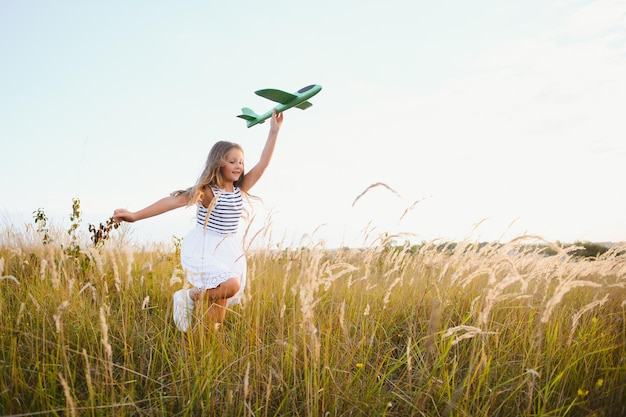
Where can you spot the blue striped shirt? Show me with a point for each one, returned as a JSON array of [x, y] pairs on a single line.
[[224, 218]]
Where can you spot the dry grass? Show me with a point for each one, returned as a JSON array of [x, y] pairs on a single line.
[[469, 330]]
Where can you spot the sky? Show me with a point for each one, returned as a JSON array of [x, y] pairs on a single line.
[[449, 120]]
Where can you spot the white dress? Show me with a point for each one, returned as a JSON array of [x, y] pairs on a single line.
[[212, 251]]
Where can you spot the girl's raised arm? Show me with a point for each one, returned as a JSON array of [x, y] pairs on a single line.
[[252, 176], [163, 205]]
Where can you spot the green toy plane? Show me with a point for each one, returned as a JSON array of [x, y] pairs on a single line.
[[286, 100]]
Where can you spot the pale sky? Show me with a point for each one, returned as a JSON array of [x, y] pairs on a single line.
[[509, 115]]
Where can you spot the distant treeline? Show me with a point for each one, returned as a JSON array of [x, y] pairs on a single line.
[[584, 249]]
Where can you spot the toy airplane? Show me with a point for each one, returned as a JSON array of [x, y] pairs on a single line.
[[286, 100]]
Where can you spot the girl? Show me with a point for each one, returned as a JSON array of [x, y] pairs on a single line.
[[211, 254]]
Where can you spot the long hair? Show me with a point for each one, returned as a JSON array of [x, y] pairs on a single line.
[[212, 173]]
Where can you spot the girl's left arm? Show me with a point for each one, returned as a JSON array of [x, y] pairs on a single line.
[[163, 205], [252, 176]]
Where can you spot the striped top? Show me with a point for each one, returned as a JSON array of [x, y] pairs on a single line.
[[224, 218]]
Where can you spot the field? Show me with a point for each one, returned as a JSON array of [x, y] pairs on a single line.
[[427, 330]]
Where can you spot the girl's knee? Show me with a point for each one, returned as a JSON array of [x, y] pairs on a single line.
[[231, 287], [225, 290]]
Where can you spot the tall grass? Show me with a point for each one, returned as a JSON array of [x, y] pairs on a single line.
[[469, 330]]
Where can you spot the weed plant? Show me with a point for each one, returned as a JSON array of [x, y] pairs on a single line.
[[468, 330]]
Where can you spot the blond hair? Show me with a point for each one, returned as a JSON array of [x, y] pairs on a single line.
[[212, 173]]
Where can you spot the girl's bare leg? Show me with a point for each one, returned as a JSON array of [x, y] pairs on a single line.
[[217, 311], [217, 298], [226, 289]]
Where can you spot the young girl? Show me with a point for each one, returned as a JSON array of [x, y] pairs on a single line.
[[211, 254]]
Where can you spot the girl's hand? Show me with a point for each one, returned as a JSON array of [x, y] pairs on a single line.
[[123, 215], [277, 121]]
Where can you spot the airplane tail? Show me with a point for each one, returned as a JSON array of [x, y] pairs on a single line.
[[250, 116]]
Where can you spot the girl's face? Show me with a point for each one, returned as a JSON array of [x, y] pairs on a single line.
[[232, 167]]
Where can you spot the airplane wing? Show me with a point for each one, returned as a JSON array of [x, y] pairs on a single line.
[[304, 105], [276, 95]]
